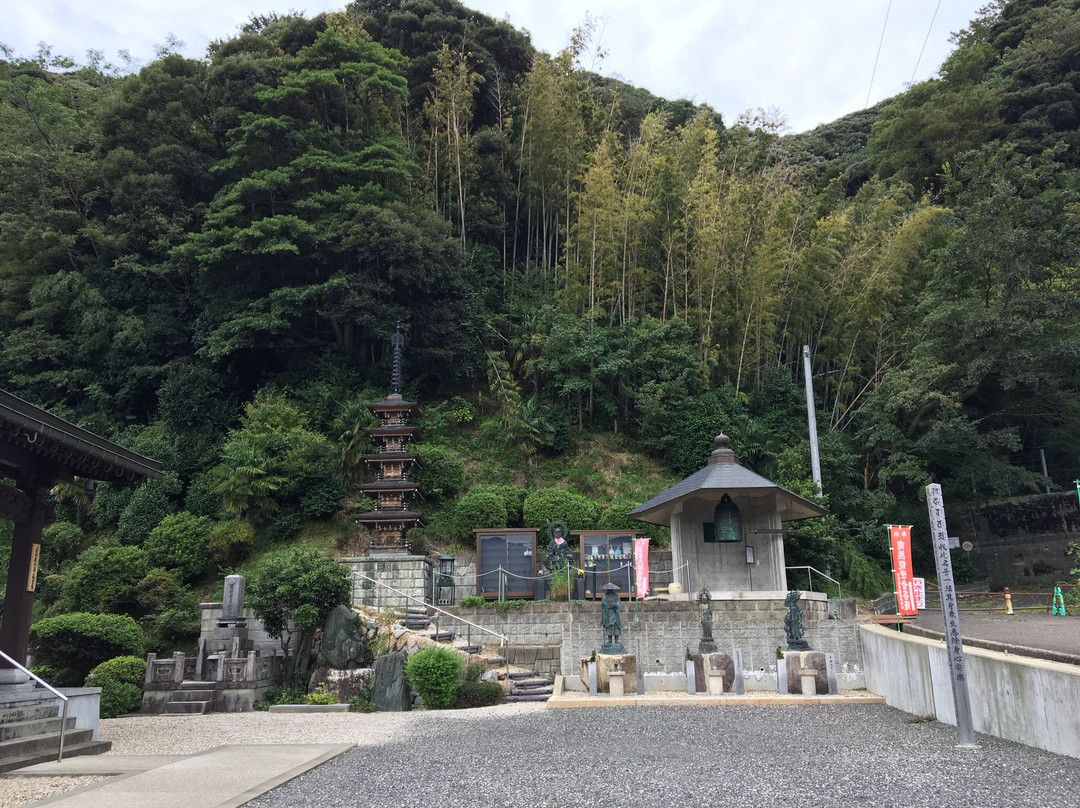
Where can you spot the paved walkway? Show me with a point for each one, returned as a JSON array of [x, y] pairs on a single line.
[[224, 777]]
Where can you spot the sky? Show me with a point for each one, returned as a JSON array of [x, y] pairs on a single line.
[[812, 60]]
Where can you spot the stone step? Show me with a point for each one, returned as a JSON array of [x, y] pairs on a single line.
[[37, 744], [526, 683], [70, 750], [496, 662], [195, 684], [416, 610], [29, 712], [187, 707], [515, 697], [532, 691], [35, 726], [442, 636], [192, 695], [524, 675], [470, 649], [416, 623]]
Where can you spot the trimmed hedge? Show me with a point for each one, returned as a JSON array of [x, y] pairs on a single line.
[[121, 682], [435, 674], [71, 645], [478, 509], [477, 694], [559, 504]]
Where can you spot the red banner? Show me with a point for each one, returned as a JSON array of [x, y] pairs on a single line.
[[903, 575], [641, 565]]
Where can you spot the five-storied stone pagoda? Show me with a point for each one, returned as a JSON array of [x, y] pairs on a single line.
[[392, 489]]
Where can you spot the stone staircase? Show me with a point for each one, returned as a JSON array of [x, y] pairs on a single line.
[[530, 686], [30, 734], [191, 697]]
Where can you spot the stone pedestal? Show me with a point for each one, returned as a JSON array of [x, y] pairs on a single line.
[[605, 664], [716, 683], [808, 680], [615, 682], [811, 661]]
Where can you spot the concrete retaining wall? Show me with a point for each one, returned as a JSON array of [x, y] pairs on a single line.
[[659, 632], [1021, 699]]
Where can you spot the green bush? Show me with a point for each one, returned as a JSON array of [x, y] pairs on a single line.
[[472, 601], [512, 497], [559, 504], [435, 674], [179, 621], [148, 506], [320, 696], [284, 527], [477, 694], [280, 695], [201, 499], [321, 493], [478, 509], [71, 645], [613, 517], [104, 579], [60, 541], [121, 682], [230, 542], [157, 588], [179, 543], [442, 474]]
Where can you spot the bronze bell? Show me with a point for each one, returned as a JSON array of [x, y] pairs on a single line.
[[727, 523]]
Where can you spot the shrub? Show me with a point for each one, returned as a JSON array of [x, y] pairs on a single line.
[[320, 696], [121, 682], [104, 580], [472, 601], [201, 499], [321, 493], [442, 474], [613, 517], [230, 542], [71, 645], [559, 504], [435, 674], [477, 694], [180, 543], [284, 527], [59, 542], [179, 620], [512, 497], [281, 695], [157, 588], [148, 506], [478, 509]]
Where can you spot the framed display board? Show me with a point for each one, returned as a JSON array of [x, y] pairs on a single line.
[[607, 556], [512, 550]]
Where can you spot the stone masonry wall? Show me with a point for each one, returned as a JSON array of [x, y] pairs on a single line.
[[261, 641], [659, 632], [408, 574]]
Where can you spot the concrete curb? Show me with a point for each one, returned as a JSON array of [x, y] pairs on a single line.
[[568, 701], [1000, 647], [309, 708]]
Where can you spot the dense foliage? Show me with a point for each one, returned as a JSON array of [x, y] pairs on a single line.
[[121, 682], [204, 261], [435, 673], [67, 647]]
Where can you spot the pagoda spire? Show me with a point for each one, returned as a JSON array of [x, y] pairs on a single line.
[[398, 341]]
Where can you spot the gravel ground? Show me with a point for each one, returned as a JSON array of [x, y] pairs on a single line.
[[756, 756], [19, 790]]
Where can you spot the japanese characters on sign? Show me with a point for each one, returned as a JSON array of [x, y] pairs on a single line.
[[900, 540]]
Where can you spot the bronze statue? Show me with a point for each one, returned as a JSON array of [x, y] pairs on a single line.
[[610, 620], [793, 624]]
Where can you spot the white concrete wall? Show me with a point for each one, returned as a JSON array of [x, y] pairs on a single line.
[[1031, 701]]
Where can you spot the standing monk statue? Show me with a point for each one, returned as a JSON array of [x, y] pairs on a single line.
[[610, 620]]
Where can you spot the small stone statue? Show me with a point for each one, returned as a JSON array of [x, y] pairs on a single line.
[[793, 624], [706, 645], [610, 620]]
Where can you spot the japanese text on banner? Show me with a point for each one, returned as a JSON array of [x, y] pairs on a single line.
[[900, 540]]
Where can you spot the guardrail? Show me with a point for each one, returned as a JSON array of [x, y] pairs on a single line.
[[1004, 602], [55, 692], [810, 576]]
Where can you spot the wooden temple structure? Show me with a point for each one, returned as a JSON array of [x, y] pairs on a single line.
[[392, 489], [37, 451]]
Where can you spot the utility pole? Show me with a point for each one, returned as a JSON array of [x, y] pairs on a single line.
[[811, 415]]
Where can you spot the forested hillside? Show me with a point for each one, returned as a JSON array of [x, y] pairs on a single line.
[[205, 261]]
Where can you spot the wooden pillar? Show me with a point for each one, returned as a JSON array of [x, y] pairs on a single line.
[[22, 577]]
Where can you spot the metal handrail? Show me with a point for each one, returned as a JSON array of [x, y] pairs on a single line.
[[55, 692], [809, 569], [377, 582]]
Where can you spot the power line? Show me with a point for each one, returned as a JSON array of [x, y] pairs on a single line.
[[880, 41], [923, 48]]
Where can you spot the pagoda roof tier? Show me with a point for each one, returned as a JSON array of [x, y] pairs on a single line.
[[392, 485], [401, 430], [394, 403], [391, 517], [401, 457]]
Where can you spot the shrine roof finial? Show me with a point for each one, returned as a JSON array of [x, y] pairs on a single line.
[[398, 341]]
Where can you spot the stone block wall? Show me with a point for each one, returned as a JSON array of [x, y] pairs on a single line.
[[411, 575], [254, 632], [660, 632]]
